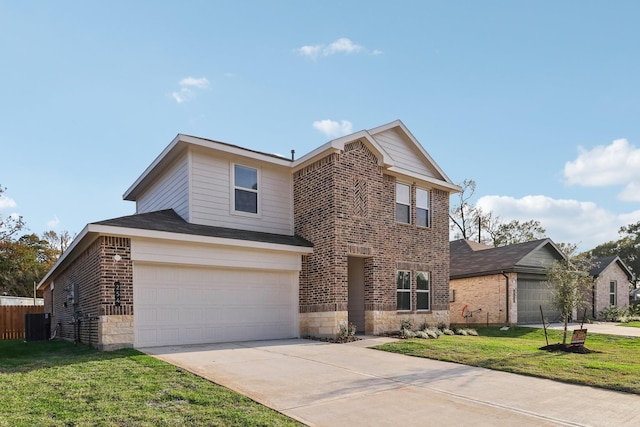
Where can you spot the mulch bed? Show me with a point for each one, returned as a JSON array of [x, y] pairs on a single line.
[[567, 348]]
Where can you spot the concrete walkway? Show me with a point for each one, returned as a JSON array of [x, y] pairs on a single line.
[[323, 384]]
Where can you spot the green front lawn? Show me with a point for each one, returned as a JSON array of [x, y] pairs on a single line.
[[630, 324], [613, 364], [59, 384]]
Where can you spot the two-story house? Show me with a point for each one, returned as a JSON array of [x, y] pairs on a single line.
[[231, 244]]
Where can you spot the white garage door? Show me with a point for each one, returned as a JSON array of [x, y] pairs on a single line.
[[192, 305]]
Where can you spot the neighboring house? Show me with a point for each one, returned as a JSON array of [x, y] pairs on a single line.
[[231, 244], [611, 287], [9, 300], [501, 285]]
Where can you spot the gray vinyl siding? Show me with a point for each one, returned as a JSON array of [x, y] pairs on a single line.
[[211, 194], [543, 257], [169, 191], [403, 153]]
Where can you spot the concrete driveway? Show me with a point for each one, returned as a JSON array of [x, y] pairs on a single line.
[[323, 384]]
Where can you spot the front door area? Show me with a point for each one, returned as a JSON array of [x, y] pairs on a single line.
[[355, 305]]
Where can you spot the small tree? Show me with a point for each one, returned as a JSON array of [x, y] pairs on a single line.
[[571, 283]]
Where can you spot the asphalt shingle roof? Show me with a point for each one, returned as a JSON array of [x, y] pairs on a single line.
[[169, 221], [470, 258]]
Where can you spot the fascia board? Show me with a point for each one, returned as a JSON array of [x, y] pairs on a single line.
[[234, 150], [81, 241], [175, 148], [337, 145], [446, 185], [194, 238], [399, 124], [130, 193]]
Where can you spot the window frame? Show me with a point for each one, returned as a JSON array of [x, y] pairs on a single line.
[[613, 293], [235, 188], [401, 203], [424, 208], [426, 291], [403, 290]]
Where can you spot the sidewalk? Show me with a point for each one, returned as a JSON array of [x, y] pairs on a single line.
[[609, 328]]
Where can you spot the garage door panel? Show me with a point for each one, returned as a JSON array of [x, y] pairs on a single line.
[[531, 295], [190, 305]]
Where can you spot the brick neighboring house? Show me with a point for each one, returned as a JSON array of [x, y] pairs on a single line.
[[231, 244], [611, 287], [501, 285]]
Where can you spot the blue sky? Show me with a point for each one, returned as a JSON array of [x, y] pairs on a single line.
[[538, 102]]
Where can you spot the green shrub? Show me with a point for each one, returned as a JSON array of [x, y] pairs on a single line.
[[611, 314]]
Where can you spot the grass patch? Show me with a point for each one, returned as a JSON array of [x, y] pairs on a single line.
[[613, 363], [58, 384], [634, 324]]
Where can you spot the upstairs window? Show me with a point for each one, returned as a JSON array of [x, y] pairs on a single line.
[[422, 207], [245, 189], [403, 203], [403, 285]]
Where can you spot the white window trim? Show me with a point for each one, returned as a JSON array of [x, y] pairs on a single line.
[[233, 189], [427, 208], [404, 290], [400, 203], [614, 293], [423, 291]]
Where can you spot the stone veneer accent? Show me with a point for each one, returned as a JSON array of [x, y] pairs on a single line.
[[322, 323], [344, 204], [115, 332]]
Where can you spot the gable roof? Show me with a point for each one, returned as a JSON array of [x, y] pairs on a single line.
[[397, 150], [179, 145], [601, 264], [468, 259]]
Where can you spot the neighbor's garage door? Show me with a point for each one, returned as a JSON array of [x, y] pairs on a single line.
[[191, 305], [532, 294]]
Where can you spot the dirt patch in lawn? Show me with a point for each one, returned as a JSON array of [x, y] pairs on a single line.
[[567, 348]]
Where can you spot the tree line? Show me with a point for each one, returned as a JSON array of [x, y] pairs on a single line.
[[472, 223], [26, 257]]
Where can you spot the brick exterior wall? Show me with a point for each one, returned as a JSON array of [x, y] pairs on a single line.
[[612, 273], [344, 204], [83, 296], [484, 300]]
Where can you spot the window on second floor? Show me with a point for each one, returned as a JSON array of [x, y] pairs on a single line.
[[422, 207], [245, 189], [403, 203], [612, 293]]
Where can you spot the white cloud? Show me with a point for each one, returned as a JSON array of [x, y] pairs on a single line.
[[340, 46], [6, 203], [188, 84], [614, 164], [333, 129], [53, 223], [565, 220]]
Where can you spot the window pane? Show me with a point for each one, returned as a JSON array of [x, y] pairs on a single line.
[[246, 201], [246, 177], [403, 280], [422, 217], [423, 300], [402, 213], [404, 300], [403, 194], [423, 281], [422, 198], [612, 287]]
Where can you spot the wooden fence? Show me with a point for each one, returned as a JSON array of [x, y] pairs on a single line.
[[12, 324]]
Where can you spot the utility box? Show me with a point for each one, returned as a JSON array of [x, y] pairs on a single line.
[[37, 326]]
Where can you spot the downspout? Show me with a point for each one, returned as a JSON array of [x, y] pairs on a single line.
[[507, 296]]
